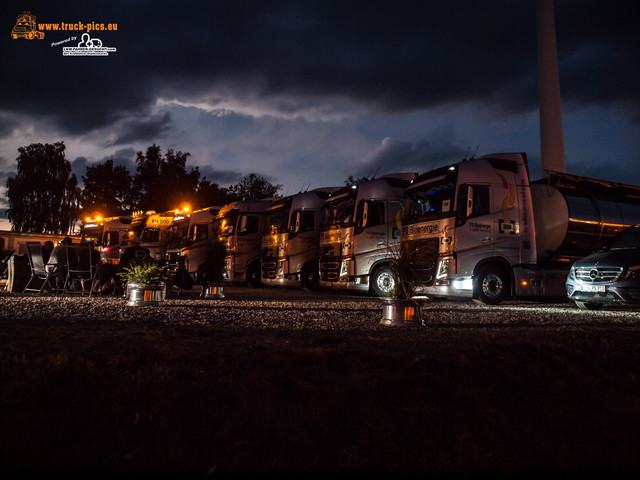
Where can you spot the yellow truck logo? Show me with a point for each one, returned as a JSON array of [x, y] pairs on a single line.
[[25, 27]]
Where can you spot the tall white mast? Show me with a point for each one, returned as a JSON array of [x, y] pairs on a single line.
[[551, 136]]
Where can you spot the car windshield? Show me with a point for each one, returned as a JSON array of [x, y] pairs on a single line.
[[626, 240]]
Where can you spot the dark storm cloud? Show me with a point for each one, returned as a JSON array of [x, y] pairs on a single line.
[[147, 129], [223, 178], [388, 55], [398, 156]]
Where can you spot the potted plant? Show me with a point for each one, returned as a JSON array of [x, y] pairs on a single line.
[[211, 273], [145, 284], [401, 308]]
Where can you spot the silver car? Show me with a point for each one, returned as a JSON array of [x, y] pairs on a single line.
[[610, 275]]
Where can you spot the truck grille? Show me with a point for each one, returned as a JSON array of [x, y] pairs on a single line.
[[598, 274], [329, 268], [269, 263], [422, 258]]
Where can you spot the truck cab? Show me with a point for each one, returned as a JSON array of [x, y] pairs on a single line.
[[361, 234], [291, 243], [113, 237], [240, 228], [202, 228], [155, 233]]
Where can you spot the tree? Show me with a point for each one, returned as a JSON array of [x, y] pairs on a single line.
[[210, 193], [253, 187], [44, 195], [354, 181], [107, 189], [162, 183]]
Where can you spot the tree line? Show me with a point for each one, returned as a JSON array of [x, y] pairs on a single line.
[[45, 196]]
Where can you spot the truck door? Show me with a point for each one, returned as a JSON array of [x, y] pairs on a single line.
[[474, 234], [370, 235]]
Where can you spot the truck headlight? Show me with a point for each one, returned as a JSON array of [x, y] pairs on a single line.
[[344, 267], [443, 267]]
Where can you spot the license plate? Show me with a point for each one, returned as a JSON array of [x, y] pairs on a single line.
[[593, 288]]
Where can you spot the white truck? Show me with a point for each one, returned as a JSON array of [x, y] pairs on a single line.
[[202, 228], [113, 234], [240, 228], [479, 229], [360, 232], [155, 234], [177, 238], [291, 241]]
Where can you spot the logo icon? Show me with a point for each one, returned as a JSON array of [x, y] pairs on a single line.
[[25, 27], [88, 47]]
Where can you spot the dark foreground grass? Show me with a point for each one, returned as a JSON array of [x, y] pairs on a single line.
[[131, 399]]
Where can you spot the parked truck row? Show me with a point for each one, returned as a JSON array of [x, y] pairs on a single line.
[[476, 229]]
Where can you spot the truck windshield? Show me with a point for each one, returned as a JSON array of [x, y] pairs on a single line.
[[277, 220], [150, 235], [227, 223], [429, 202], [339, 213]]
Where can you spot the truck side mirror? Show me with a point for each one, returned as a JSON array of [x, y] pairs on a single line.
[[469, 201]]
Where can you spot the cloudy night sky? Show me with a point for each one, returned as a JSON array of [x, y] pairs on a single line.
[[307, 93]]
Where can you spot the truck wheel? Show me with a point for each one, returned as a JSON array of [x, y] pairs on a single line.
[[310, 278], [382, 281], [588, 305], [492, 285], [253, 275]]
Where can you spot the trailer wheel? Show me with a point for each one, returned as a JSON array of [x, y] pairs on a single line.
[[382, 281], [588, 305], [492, 285], [310, 278], [253, 275]]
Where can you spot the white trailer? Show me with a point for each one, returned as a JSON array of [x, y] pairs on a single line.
[[479, 229], [360, 233], [291, 243]]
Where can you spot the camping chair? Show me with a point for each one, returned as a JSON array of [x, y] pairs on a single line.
[[4, 268], [36, 262], [4, 263], [80, 269]]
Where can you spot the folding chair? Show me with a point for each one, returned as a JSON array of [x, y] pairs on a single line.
[[36, 262], [80, 269], [4, 269]]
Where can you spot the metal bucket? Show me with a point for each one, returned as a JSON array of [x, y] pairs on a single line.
[[397, 311], [145, 295], [213, 291]]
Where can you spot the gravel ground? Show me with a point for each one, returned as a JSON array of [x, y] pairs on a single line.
[[296, 310]]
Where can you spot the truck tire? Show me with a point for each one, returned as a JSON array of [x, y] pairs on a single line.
[[492, 285], [310, 279], [382, 281], [253, 275]]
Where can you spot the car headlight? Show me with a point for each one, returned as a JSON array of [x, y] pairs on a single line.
[[572, 273]]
